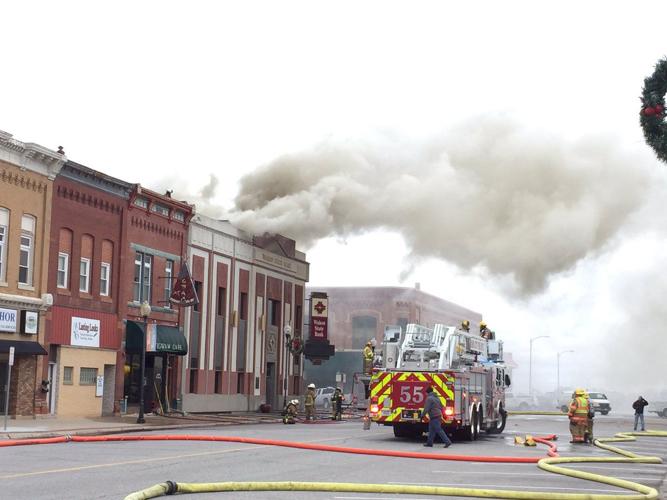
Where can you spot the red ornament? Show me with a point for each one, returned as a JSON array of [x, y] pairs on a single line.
[[649, 111]]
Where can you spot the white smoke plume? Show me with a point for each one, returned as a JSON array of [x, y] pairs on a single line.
[[489, 195]]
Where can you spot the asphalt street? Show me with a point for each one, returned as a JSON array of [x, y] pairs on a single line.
[[115, 469]]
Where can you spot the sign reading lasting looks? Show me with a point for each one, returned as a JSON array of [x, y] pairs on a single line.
[[8, 318], [319, 315], [85, 332]]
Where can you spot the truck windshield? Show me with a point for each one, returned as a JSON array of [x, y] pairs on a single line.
[[596, 395]]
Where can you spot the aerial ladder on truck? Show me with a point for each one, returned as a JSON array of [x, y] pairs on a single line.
[[465, 370]]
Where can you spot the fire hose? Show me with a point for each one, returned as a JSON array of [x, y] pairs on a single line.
[[550, 464]]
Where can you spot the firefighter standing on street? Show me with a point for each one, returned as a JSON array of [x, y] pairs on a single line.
[[578, 415], [433, 409], [588, 436], [465, 325], [337, 405], [309, 402], [368, 358]]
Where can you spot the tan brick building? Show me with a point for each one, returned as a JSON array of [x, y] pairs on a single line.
[[27, 171]]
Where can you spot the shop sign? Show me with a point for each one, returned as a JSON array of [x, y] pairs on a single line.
[[29, 322], [85, 332], [319, 315], [8, 319], [99, 386]]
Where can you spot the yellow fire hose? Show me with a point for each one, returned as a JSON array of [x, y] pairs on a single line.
[[547, 464]]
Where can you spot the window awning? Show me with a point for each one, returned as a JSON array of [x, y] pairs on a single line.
[[23, 347], [162, 339]]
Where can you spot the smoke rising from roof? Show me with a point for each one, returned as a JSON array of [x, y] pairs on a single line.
[[489, 196]]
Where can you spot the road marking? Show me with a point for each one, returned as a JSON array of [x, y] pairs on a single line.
[[146, 460], [540, 488]]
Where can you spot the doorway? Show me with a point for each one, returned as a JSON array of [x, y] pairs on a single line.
[[271, 385]]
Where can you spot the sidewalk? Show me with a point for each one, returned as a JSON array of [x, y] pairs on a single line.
[[53, 426]]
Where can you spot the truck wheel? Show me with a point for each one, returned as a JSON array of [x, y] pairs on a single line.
[[604, 412], [470, 432], [501, 420], [563, 409], [664, 412]]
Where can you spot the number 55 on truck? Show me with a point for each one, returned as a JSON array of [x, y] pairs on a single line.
[[465, 370]]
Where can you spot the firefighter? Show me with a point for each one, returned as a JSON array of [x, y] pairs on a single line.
[[368, 358], [309, 402], [485, 332], [465, 325], [578, 415], [588, 436], [291, 412], [337, 405]]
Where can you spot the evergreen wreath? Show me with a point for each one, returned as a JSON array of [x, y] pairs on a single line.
[[652, 114]]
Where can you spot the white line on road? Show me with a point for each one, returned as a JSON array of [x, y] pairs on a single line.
[[502, 486]]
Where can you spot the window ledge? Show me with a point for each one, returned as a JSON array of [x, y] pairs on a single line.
[[106, 298], [85, 295], [64, 291], [23, 286], [4, 283]]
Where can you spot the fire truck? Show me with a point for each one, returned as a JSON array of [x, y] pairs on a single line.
[[465, 370]]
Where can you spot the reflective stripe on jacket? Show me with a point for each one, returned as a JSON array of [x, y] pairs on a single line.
[[579, 407]]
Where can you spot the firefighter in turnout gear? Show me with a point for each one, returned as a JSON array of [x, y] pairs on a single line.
[[309, 402], [578, 415], [291, 412], [465, 325], [337, 405], [368, 358]]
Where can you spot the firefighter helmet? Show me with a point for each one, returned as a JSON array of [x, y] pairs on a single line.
[[311, 386], [465, 322], [579, 392], [482, 324]]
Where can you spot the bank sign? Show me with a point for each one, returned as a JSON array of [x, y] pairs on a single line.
[[85, 332], [8, 318], [319, 315]]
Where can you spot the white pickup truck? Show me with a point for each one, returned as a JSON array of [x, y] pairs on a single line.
[[659, 407]]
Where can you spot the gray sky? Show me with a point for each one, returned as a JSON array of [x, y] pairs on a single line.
[[168, 94]]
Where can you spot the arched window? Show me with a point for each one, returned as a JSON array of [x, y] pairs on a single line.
[[64, 256], [105, 268], [27, 249], [85, 263]]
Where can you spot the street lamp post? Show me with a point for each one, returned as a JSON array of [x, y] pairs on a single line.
[[287, 330], [530, 364], [145, 311], [558, 371]]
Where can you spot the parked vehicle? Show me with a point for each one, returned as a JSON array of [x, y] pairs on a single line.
[[598, 399], [323, 397], [659, 407], [521, 402]]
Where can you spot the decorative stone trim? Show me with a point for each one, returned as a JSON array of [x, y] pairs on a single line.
[[30, 156], [87, 199], [22, 302], [155, 228]]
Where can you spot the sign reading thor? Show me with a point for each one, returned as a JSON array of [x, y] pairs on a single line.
[[319, 315], [184, 293]]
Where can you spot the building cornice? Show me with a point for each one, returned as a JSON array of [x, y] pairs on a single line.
[[30, 156], [23, 302]]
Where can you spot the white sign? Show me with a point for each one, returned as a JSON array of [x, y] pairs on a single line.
[[99, 386], [8, 319], [11, 356], [85, 332], [30, 322]]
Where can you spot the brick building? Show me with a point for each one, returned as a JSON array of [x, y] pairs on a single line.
[[84, 333], [250, 289], [155, 235], [358, 314], [26, 179]]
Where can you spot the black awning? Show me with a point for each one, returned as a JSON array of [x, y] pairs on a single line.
[[168, 339], [23, 347]]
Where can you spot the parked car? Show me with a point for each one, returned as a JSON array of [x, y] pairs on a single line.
[[521, 402], [659, 407], [598, 399], [323, 397]]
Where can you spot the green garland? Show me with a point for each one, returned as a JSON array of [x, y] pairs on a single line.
[[652, 113]]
